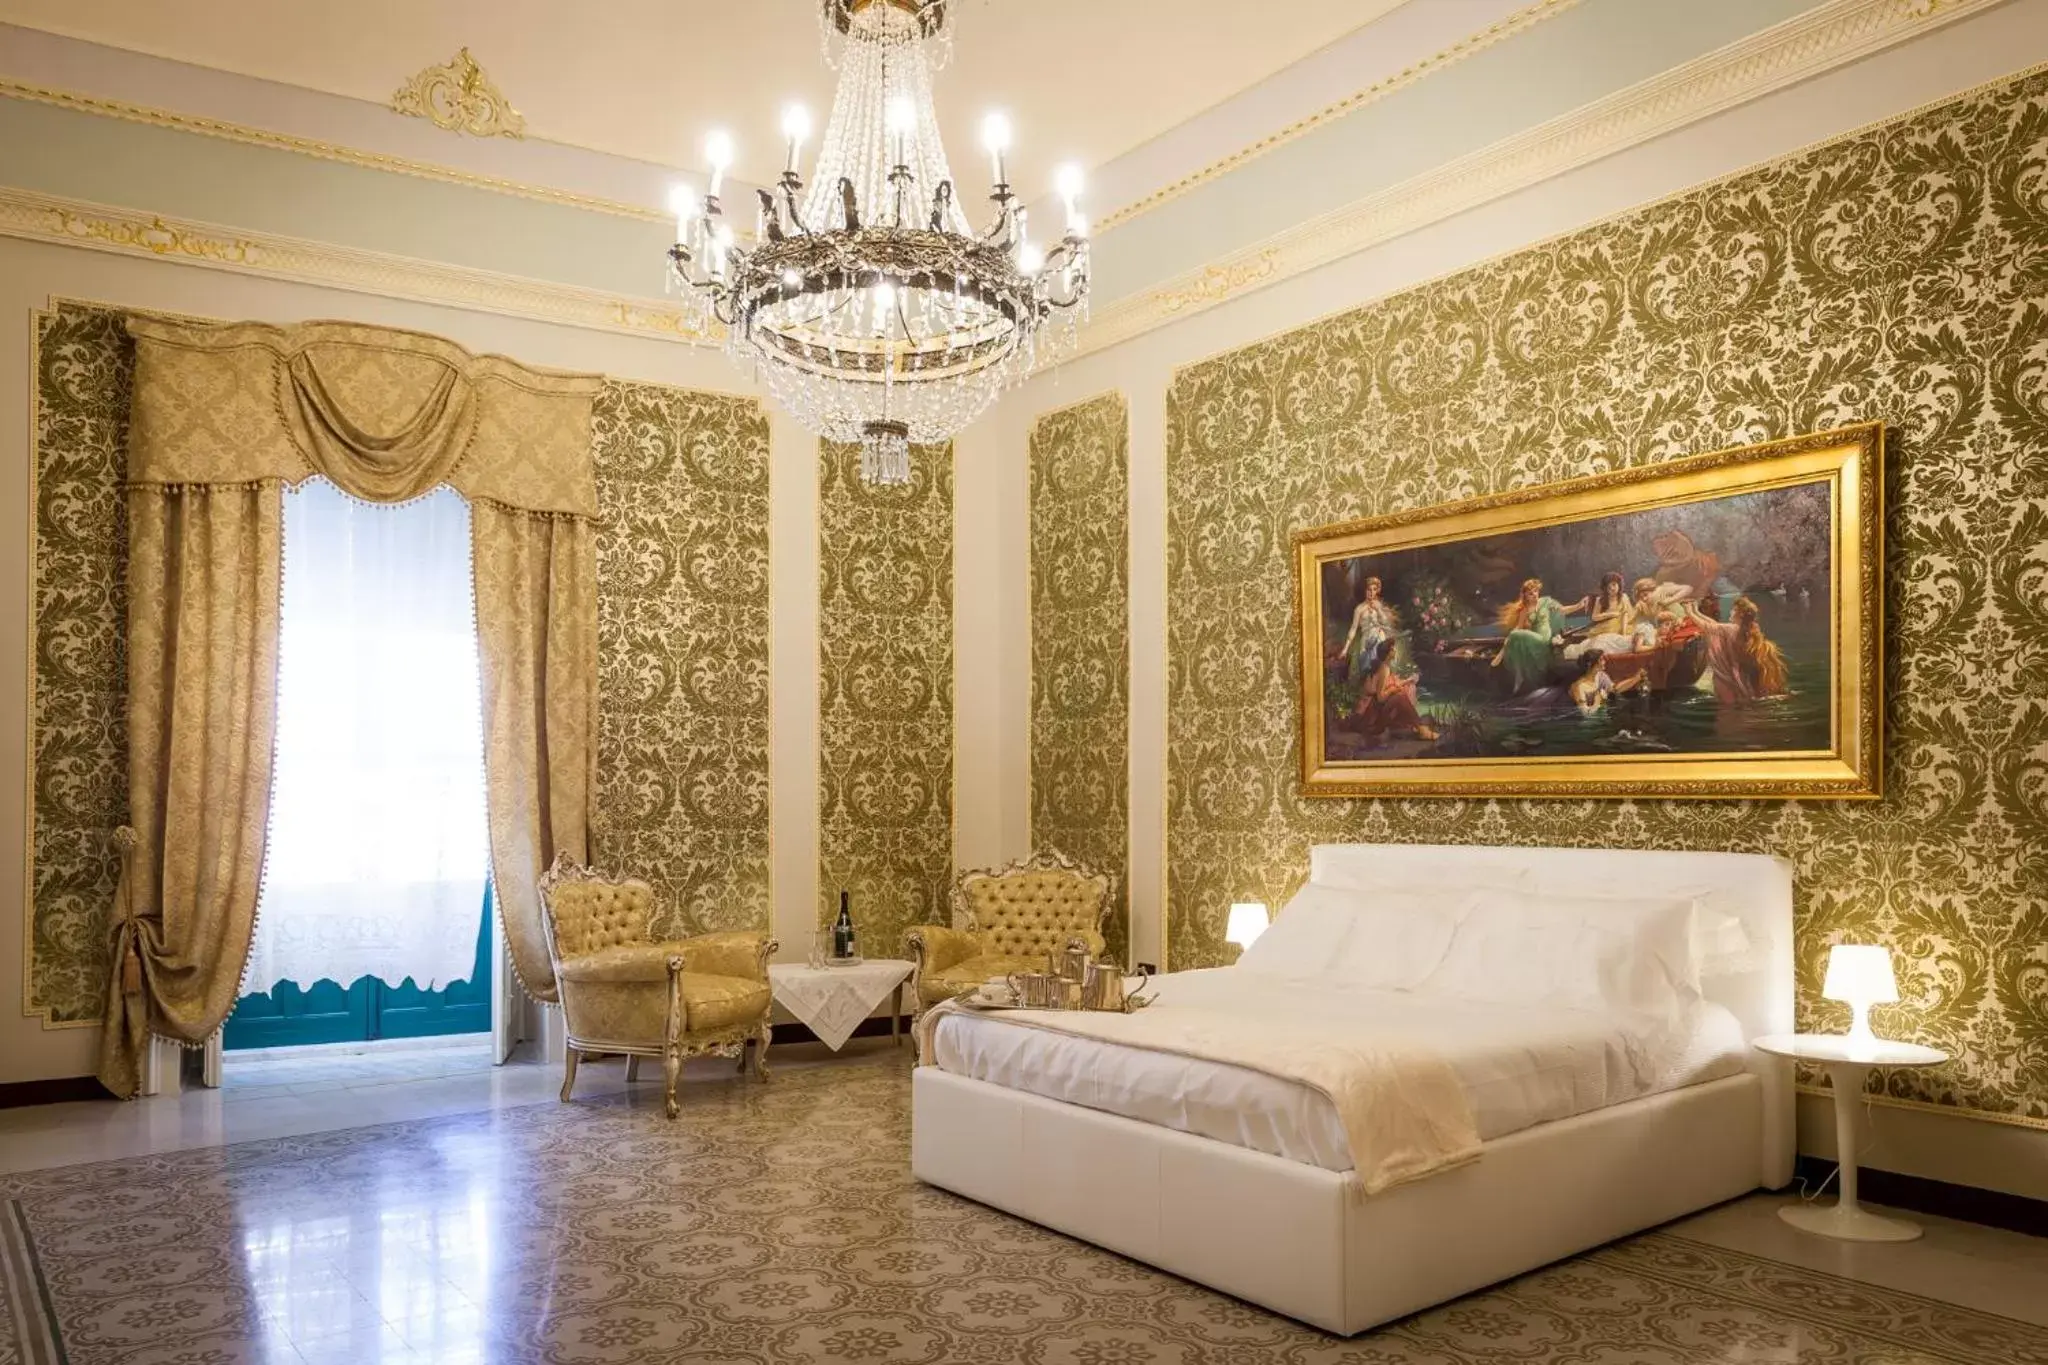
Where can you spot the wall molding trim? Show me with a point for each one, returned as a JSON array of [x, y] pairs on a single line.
[[322, 150], [99, 227], [1472, 43], [1922, 1106], [1831, 35]]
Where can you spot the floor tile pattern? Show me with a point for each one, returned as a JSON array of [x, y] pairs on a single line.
[[779, 1223]]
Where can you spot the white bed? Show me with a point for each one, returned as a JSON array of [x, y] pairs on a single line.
[[1242, 1180]]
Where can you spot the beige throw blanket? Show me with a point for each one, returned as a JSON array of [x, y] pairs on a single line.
[[1404, 1114]]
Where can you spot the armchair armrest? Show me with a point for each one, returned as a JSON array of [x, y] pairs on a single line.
[[935, 947], [740, 953]]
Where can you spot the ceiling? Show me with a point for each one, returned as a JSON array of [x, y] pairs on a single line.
[[1082, 80]]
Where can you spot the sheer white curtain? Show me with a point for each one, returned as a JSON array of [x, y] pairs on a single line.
[[379, 848]]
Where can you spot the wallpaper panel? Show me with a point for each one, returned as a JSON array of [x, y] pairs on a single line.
[[1901, 274], [83, 363], [682, 628], [885, 724], [682, 549], [1080, 643]]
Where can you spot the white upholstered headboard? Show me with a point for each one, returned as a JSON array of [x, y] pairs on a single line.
[[1754, 981]]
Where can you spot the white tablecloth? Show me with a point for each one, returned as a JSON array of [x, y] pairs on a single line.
[[832, 1001]]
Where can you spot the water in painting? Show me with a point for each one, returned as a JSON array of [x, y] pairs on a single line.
[[1699, 628]]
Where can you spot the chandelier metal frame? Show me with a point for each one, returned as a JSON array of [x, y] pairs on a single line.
[[887, 322]]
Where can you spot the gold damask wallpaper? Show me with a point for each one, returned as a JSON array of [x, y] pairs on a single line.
[[885, 723], [1898, 274], [682, 629], [682, 548], [83, 363], [1080, 643]]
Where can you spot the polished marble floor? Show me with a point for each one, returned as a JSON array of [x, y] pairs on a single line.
[[779, 1223]]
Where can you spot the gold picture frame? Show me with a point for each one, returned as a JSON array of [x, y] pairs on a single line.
[[1729, 642]]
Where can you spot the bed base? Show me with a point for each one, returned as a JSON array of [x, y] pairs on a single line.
[[1301, 1240]]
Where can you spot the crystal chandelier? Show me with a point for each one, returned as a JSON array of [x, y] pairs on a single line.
[[874, 310]]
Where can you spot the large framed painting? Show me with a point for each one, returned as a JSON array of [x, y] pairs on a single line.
[[1707, 627]]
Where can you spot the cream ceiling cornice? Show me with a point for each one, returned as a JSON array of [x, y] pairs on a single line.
[[99, 227], [1522, 19], [1828, 36], [314, 147]]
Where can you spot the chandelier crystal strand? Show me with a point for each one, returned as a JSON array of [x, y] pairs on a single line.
[[868, 303]]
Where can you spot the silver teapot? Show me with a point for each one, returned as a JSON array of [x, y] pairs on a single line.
[[1104, 989]]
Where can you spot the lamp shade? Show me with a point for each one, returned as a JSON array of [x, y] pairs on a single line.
[[1860, 974], [1248, 920]]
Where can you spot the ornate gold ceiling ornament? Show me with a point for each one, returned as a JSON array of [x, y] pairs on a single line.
[[458, 95]]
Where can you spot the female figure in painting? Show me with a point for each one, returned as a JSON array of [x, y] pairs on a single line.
[[1591, 689], [1614, 621], [1747, 667], [1534, 624], [1386, 703], [1373, 624]]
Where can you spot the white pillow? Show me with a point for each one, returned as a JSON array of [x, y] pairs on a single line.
[[1398, 937], [1579, 953], [1304, 938], [1378, 939]]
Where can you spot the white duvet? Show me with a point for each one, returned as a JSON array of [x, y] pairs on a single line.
[[1518, 1065]]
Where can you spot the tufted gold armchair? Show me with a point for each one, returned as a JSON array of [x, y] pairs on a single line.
[[622, 992], [1007, 920]]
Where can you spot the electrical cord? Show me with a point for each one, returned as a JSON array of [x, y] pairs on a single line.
[[1863, 1149]]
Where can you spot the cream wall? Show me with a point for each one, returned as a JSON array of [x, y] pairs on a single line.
[[1984, 47], [31, 274]]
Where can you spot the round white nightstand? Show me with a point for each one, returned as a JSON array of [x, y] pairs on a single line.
[[1848, 1062]]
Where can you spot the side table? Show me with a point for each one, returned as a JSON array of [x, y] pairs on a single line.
[[831, 1001], [1848, 1062]]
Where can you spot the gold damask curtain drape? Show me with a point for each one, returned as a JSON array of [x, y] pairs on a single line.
[[223, 416]]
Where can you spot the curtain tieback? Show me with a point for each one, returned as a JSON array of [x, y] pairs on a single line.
[[127, 939]]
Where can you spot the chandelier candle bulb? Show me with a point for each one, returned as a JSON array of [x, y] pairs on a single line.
[[718, 152], [796, 127], [1067, 183], [995, 136], [684, 205]]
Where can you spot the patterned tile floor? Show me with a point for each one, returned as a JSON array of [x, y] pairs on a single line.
[[787, 1228]]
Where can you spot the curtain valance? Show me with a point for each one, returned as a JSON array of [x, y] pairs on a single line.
[[385, 415]]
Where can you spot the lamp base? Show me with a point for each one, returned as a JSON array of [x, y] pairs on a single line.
[[1851, 1224]]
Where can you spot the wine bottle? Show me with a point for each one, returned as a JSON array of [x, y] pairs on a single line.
[[842, 931]]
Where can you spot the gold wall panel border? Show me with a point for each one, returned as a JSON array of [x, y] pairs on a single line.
[[886, 754], [1079, 553], [61, 221], [460, 96], [320, 150], [1471, 44], [1829, 36]]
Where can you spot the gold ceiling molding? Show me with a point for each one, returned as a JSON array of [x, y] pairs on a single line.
[[1829, 36], [313, 147], [458, 95], [98, 227], [1525, 18]]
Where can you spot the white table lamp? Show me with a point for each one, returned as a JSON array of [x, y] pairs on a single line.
[[1859, 974], [1248, 920]]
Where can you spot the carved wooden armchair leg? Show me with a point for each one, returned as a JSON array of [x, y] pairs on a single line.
[[672, 1038], [760, 1052], [632, 1068], [570, 1057]]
